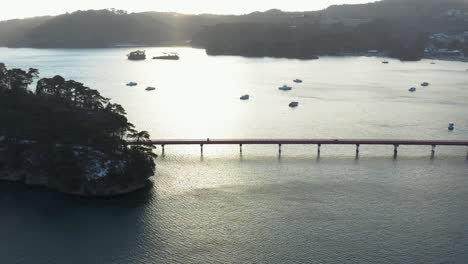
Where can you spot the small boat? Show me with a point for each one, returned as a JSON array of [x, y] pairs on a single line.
[[132, 84], [433, 63], [294, 104], [412, 89], [285, 88], [167, 56], [137, 55], [451, 127], [150, 88], [385, 62], [245, 97], [298, 81], [425, 84]]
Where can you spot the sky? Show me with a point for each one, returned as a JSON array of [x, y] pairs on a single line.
[[29, 8]]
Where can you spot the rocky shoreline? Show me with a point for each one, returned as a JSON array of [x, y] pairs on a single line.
[[88, 189]]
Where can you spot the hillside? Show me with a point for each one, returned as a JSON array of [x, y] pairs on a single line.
[[107, 28]]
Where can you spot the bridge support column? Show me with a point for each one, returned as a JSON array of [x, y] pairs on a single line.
[[318, 149], [279, 149], [162, 146], [240, 147], [395, 151], [357, 150], [201, 149], [433, 151]]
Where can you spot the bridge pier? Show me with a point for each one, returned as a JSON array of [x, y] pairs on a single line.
[[279, 149], [433, 151], [162, 146], [318, 149], [395, 151], [201, 149], [240, 147], [357, 150]]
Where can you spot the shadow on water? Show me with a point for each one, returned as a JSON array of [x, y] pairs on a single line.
[[20, 193], [57, 228]]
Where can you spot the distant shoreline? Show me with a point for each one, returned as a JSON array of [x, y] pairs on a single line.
[[359, 54]]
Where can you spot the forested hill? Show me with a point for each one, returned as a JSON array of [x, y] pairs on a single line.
[[108, 28]]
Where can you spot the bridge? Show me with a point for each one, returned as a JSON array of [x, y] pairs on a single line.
[[396, 143]]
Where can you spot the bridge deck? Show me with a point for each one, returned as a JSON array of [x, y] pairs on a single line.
[[393, 142]]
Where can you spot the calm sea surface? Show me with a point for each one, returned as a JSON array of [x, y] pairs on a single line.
[[260, 207]]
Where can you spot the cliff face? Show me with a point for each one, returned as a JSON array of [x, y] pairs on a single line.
[[98, 175]]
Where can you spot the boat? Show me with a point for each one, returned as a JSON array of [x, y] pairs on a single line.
[[285, 88], [412, 89], [433, 63], [245, 97], [137, 55], [294, 104], [132, 84], [425, 84], [149, 88], [451, 126], [167, 56], [298, 81], [385, 62]]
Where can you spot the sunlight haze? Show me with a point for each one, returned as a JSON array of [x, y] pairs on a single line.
[[15, 9]]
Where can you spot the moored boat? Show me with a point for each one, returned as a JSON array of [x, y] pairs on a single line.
[[137, 55], [412, 89], [285, 88], [424, 84], [149, 88], [451, 126], [385, 62], [294, 104], [298, 81], [245, 97], [132, 84], [168, 56]]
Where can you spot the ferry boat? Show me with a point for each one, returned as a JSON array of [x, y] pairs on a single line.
[[245, 97], [150, 88], [425, 84], [294, 104], [168, 56], [285, 88], [132, 84], [451, 126], [412, 89], [298, 81], [137, 55]]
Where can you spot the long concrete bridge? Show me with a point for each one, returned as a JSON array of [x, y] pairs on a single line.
[[318, 142]]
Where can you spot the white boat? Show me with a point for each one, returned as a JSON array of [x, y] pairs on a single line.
[[285, 88], [294, 104], [425, 84], [298, 81], [451, 126], [245, 97], [132, 84], [150, 88], [412, 89]]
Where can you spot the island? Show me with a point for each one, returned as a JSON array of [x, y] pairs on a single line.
[[67, 137]]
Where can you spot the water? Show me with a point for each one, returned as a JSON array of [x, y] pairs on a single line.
[[259, 207]]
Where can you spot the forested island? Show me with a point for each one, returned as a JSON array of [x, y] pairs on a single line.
[[66, 136], [396, 28]]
